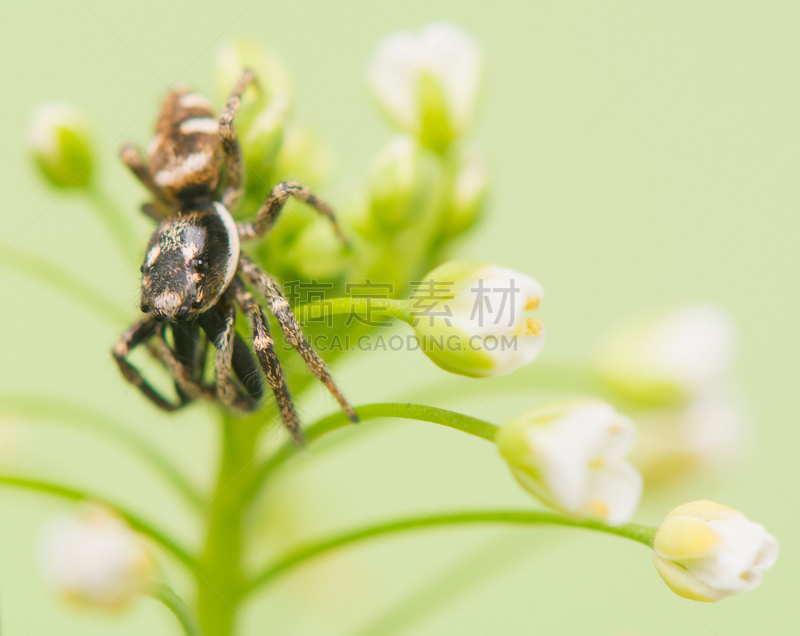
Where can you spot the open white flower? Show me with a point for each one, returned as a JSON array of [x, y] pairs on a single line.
[[428, 82], [59, 140], [471, 319], [705, 551], [682, 354], [573, 458], [94, 558]]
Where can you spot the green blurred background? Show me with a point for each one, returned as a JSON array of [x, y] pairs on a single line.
[[642, 153]]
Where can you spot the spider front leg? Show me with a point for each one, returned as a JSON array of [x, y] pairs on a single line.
[[188, 387], [234, 167], [130, 157], [132, 338], [264, 347], [269, 211], [233, 356], [271, 290]]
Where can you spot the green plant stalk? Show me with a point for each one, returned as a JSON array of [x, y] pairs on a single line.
[[635, 532], [465, 423], [385, 306], [220, 579], [134, 520], [176, 605], [114, 220]]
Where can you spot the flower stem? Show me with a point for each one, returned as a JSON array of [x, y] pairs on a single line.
[[363, 306], [114, 220], [465, 423], [135, 521], [221, 583], [178, 607], [642, 534]]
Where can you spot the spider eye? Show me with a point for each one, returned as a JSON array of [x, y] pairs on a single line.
[[141, 268], [199, 265]]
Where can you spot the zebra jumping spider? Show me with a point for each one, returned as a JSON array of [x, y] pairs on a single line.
[[194, 273]]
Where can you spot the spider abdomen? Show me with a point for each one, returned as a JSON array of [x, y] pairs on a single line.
[[184, 155]]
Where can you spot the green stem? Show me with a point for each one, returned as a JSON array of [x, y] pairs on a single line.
[[465, 423], [100, 423], [114, 220], [134, 520], [362, 306], [220, 587], [642, 534], [178, 607], [56, 277]]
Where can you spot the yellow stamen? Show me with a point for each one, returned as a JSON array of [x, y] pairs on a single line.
[[599, 508], [531, 304], [533, 327]]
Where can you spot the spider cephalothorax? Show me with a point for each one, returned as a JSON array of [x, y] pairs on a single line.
[[193, 274], [190, 260]]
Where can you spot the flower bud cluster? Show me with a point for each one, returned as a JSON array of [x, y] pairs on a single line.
[[424, 186]]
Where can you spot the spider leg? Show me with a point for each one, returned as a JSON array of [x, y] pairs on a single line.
[[234, 167], [233, 356], [130, 157], [185, 384], [271, 208], [188, 350], [270, 288], [264, 347], [133, 337]]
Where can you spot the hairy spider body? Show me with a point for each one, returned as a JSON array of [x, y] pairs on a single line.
[[193, 270], [190, 261]]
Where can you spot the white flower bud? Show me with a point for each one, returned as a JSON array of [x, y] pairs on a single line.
[[428, 82], [59, 140], [303, 157], [94, 558], [705, 551], [707, 433], [471, 318], [572, 457], [468, 198], [316, 252], [403, 182], [263, 138], [680, 355]]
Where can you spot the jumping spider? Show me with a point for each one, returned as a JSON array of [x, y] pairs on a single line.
[[193, 270]]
